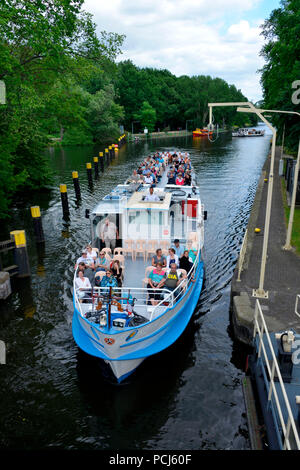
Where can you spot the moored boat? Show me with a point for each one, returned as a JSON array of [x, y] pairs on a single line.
[[202, 132], [124, 323], [246, 132]]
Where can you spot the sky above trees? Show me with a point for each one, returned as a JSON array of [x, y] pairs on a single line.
[[191, 37]]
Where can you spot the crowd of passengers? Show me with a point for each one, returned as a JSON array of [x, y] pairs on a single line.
[[165, 274], [152, 168]]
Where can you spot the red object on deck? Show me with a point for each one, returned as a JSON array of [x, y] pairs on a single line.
[[192, 207]]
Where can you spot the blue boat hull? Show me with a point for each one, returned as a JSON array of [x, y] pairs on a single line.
[[160, 339]]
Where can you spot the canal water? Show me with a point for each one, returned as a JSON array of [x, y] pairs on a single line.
[[188, 397]]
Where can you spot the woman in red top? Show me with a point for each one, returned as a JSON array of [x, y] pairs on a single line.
[[179, 180]]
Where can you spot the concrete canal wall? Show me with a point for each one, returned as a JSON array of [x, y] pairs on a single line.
[[282, 266]]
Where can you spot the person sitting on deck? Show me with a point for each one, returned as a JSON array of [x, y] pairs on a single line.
[[108, 280], [101, 263], [82, 283], [91, 253], [159, 258], [172, 257], [187, 179], [116, 270], [185, 261], [87, 271], [148, 178], [172, 278], [84, 259], [179, 180], [135, 177], [155, 281], [171, 179], [151, 197]]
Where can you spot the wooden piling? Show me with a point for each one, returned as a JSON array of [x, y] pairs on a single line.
[[20, 253], [76, 184], [101, 161], [96, 168], [89, 173], [37, 224], [106, 156], [64, 200]]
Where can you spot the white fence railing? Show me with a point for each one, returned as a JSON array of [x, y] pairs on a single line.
[[242, 255], [296, 305], [262, 332]]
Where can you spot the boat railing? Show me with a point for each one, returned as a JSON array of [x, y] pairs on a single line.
[[124, 296], [242, 255], [176, 294], [260, 329]]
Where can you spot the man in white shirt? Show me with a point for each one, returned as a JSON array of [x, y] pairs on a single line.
[[109, 234], [152, 197], [148, 179]]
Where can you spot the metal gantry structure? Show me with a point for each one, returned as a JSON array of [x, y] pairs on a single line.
[[248, 107]]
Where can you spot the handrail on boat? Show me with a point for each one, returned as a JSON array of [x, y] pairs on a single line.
[[260, 331], [171, 295]]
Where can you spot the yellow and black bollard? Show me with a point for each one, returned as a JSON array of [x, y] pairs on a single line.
[[101, 161], [96, 168], [64, 200], [76, 184], [106, 156], [20, 253], [89, 173], [37, 224]]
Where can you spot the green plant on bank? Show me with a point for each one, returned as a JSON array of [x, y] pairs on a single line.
[[295, 238], [281, 53], [50, 59]]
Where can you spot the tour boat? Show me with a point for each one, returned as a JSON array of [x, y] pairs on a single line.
[[246, 132], [201, 132], [122, 325]]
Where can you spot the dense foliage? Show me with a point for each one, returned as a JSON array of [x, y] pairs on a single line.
[[64, 87], [50, 56], [282, 69], [179, 102]]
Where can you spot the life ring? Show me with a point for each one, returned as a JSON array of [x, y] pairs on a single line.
[[109, 341]]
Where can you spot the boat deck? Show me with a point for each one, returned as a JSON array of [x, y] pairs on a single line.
[[292, 390]]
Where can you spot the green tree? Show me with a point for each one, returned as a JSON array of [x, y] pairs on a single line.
[[47, 49], [282, 55], [147, 116]]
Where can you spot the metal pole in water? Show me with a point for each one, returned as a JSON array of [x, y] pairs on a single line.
[[76, 184], [37, 223], [20, 253], [64, 200]]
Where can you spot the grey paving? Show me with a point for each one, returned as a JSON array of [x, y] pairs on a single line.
[[282, 275]]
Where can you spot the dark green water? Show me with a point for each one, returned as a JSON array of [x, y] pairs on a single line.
[[188, 397]]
